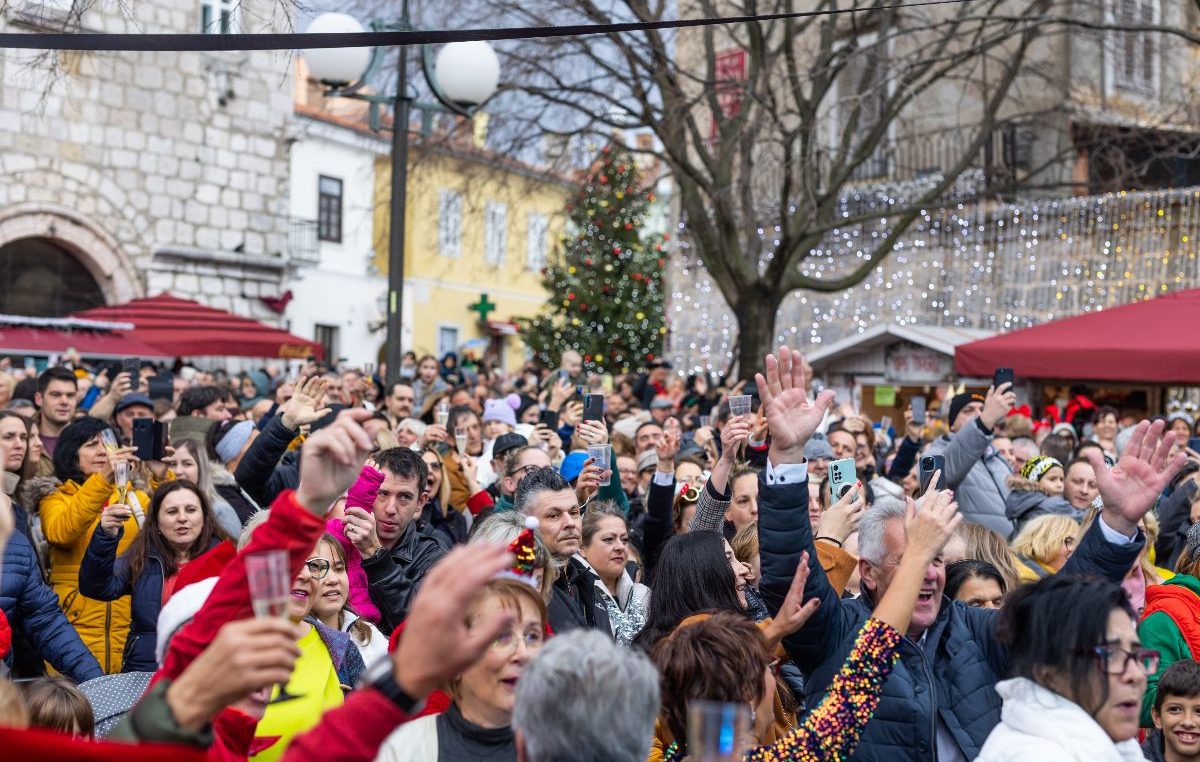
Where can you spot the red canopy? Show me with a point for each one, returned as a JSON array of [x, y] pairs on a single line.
[[50, 340], [1150, 342], [180, 327]]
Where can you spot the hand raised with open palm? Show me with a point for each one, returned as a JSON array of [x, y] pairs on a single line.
[[791, 417], [1130, 488]]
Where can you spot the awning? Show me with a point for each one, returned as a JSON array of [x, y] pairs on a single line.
[[180, 327], [20, 336], [1148, 342]]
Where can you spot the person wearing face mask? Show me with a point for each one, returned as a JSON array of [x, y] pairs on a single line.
[[331, 605], [179, 527], [1079, 672], [938, 701], [605, 538]]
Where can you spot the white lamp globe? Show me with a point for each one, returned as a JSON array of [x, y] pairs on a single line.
[[336, 66], [467, 72]]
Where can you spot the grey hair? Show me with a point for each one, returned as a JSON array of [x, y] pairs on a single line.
[[585, 698], [411, 425], [535, 482], [254, 522], [1030, 447], [872, 526]]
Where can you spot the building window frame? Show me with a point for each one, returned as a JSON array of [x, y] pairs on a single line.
[[878, 165], [450, 226], [537, 240], [327, 336], [220, 16], [495, 233], [1136, 58], [330, 200], [448, 335]]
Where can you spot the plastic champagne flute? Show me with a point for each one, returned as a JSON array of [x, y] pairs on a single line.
[[460, 440], [270, 594]]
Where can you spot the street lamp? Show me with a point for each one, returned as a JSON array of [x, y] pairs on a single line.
[[462, 78]]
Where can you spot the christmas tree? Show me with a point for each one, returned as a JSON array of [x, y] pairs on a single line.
[[606, 280]]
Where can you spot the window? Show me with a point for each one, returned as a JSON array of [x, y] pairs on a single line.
[[536, 232], [862, 90], [1135, 55], [447, 339], [495, 233], [449, 223], [219, 16], [327, 337], [329, 209]]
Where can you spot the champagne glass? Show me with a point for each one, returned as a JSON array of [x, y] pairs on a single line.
[[460, 440], [739, 405], [718, 732], [443, 413], [270, 594], [121, 477], [109, 440]]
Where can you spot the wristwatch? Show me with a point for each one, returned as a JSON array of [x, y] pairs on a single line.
[[380, 677]]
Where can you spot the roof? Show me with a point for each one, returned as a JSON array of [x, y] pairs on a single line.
[[180, 327], [1147, 342], [938, 338]]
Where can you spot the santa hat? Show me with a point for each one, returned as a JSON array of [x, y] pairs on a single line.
[[181, 609], [524, 549]]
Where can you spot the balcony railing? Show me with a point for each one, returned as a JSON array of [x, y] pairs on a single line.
[[304, 250]]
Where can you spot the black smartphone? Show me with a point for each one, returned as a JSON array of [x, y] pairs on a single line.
[[549, 418], [150, 438], [132, 366], [593, 407], [929, 464], [162, 387], [918, 410], [1002, 376]]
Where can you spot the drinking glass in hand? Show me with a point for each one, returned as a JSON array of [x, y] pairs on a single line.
[[602, 455], [270, 593], [718, 732], [460, 440], [443, 413]]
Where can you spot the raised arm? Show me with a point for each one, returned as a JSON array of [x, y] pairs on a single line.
[[714, 499]]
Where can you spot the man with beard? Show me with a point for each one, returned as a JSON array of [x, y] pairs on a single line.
[[548, 497]]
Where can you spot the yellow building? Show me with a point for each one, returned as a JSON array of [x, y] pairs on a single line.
[[478, 230]]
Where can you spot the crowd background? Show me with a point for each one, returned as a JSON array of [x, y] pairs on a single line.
[[1041, 606]]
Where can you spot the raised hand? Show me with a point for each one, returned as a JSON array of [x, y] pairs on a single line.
[[795, 611], [928, 526], [667, 449], [1130, 488], [592, 433], [437, 644], [842, 518], [302, 408], [791, 418], [331, 460], [359, 526], [588, 483], [560, 392], [997, 404], [114, 517], [734, 434]]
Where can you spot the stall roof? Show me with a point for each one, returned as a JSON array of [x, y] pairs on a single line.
[[939, 338], [180, 327], [1149, 342], [22, 335]]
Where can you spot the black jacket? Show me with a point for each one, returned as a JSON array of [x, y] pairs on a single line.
[[264, 472], [950, 674], [1153, 747], [393, 575], [105, 577], [573, 602]]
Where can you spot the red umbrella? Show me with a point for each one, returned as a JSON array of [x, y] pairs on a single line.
[[182, 327], [1150, 342]]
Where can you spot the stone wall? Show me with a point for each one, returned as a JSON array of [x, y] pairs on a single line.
[[179, 160]]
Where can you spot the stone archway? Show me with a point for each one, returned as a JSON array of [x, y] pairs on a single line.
[[46, 242]]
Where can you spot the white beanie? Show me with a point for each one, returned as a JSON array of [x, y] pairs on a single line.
[[181, 609]]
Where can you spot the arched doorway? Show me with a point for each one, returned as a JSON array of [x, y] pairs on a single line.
[[40, 278]]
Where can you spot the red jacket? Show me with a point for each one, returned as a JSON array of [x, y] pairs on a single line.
[[48, 746]]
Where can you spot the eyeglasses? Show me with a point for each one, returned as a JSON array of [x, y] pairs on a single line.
[[507, 643], [317, 567], [1114, 660], [516, 471]]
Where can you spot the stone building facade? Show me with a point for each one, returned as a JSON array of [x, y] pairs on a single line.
[[128, 174]]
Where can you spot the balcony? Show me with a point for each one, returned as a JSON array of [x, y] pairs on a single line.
[[304, 250]]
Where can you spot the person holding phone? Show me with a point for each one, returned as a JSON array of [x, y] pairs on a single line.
[[974, 470]]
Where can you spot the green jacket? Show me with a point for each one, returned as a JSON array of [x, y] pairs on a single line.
[[1158, 631]]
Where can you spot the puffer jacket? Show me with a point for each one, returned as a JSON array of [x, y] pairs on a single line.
[[977, 474], [31, 606], [69, 515], [948, 674], [1025, 502], [105, 577]]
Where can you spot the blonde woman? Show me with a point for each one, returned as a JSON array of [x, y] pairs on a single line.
[[1044, 545]]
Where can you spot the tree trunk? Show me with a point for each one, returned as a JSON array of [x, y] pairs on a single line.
[[755, 315]]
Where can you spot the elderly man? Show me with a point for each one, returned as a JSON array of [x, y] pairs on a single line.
[[939, 702], [544, 494]]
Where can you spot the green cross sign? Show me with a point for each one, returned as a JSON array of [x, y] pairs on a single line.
[[483, 307]]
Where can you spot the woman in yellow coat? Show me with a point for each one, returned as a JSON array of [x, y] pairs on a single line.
[[69, 507]]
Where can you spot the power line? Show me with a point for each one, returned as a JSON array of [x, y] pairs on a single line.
[[296, 41]]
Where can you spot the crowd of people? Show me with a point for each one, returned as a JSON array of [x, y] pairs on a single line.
[[460, 564]]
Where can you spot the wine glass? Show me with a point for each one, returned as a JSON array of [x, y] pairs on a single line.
[[270, 594], [109, 440], [443, 413], [121, 477], [460, 440]]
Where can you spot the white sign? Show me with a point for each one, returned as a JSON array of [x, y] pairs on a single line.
[[909, 363]]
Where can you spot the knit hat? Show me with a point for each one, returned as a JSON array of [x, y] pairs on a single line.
[[503, 410], [1179, 414], [179, 610], [1191, 544], [818, 447], [1037, 467], [233, 441], [1064, 428], [959, 401]]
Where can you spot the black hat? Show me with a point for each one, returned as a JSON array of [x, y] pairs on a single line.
[[959, 401], [506, 442]]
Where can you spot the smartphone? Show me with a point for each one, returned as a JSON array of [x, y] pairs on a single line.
[[1194, 444], [841, 477], [885, 424], [929, 464], [593, 407], [1002, 376], [549, 418], [563, 376], [918, 410], [162, 387], [150, 438], [132, 366]]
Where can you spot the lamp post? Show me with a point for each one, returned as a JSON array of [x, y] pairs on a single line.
[[464, 75]]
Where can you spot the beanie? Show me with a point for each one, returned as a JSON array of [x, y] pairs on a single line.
[[503, 410], [959, 401], [1037, 467]]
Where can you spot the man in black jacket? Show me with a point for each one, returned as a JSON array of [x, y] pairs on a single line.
[[262, 469], [396, 554], [548, 497]]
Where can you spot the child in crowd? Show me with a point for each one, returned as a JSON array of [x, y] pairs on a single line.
[[1037, 491], [56, 704], [1176, 714]]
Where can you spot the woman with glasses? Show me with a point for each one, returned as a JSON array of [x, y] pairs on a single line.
[[179, 527], [1079, 674], [477, 724]]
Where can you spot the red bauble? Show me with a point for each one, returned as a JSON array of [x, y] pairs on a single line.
[[661, 263], [629, 226], [637, 276], [603, 179], [571, 297], [588, 261], [583, 307]]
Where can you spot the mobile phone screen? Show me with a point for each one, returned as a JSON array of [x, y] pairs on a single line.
[[918, 410]]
